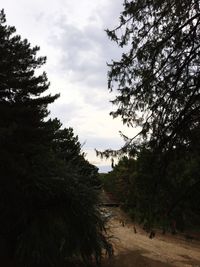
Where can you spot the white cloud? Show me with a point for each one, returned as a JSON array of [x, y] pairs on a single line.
[[71, 35]]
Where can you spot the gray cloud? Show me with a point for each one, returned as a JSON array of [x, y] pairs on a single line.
[[103, 143], [65, 112], [71, 34], [85, 50], [104, 168]]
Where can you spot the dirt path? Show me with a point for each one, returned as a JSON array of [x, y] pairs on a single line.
[[137, 250]]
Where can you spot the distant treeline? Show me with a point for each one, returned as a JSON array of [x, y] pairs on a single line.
[[159, 190]]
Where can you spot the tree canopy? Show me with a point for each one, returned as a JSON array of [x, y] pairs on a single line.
[[157, 77], [157, 86], [48, 201]]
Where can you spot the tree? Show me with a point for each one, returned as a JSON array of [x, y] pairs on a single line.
[[157, 85], [48, 214], [157, 77], [68, 148]]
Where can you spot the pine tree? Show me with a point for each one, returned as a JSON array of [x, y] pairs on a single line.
[[157, 77], [157, 85], [23, 131], [47, 215]]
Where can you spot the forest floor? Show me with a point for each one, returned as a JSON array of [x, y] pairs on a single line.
[[138, 250]]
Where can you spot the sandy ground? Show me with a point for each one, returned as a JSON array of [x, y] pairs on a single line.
[[138, 250]]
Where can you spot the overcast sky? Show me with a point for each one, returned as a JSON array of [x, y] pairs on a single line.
[[71, 34]]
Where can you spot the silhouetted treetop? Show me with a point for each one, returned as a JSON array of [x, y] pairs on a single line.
[[48, 203], [157, 79]]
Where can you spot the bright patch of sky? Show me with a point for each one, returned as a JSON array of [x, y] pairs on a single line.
[[71, 34]]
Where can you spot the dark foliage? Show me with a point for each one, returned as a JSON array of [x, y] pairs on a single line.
[[48, 203], [157, 78], [157, 85], [171, 202]]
